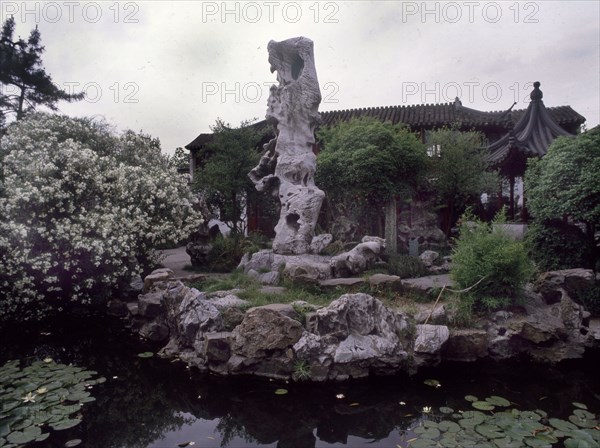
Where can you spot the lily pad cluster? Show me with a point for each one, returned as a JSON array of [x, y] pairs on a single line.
[[41, 396], [492, 423]]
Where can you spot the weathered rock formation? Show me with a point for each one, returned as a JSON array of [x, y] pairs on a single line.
[[358, 259], [266, 265], [287, 168], [354, 336]]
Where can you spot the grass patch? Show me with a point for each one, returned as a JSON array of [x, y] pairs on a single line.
[[224, 282], [252, 290], [256, 297]]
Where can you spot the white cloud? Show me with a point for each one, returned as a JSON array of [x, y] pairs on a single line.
[[155, 70]]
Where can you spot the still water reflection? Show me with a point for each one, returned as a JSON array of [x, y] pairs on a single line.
[[150, 402]]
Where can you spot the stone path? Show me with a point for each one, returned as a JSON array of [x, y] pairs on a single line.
[[424, 285]]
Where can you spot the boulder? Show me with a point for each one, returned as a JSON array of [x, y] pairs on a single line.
[[158, 275], [320, 242], [231, 317], [359, 314], [391, 282], [359, 347], [431, 338], [217, 347], [305, 268], [282, 308], [155, 331], [573, 281], [194, 317], [359, 259], [262, 331], [438, 316], [228, 301], [429, 257], [258, 261], [342, 282], [269, 278], [135, 287], [151, 305], [466, 345], [198, 252]]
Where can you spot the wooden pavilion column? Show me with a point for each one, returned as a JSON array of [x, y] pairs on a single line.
[[511, 210]]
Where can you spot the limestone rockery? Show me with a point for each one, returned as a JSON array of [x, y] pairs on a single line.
[[355, 336]]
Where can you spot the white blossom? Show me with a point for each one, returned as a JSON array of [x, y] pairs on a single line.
[[78, 217]]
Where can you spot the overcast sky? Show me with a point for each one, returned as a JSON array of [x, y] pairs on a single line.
[[171, 68]]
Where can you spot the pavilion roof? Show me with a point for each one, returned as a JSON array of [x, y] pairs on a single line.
[[430, 116], [531, 133]]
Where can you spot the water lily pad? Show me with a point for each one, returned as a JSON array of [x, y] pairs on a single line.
[[579, 443], [422, 443], [73, 442], [546, 437], [483, 405], [562, 425], [281, 391], [471, 398], [26, 436], [449, 426], [42, 437], [489, 431], [145, 355], [535, 443], [583, 419], [65, 424], [448, 442], [432, 383], [446, 410], [579, 405], [498, 401]]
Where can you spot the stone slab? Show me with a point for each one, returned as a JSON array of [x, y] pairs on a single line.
[[342, 282]]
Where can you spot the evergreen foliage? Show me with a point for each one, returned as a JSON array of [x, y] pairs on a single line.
[[457, 171], [222, 174], [566, 183], [364, 163], [23, 78]]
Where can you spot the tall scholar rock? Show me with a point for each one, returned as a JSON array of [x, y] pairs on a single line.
[[288, 166]]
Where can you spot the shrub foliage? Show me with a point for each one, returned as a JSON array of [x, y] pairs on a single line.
[[81, 210], [485, 254], [554, 244], [566, 183], [363, 164]]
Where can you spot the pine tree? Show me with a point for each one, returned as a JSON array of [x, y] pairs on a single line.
[[23, 79]]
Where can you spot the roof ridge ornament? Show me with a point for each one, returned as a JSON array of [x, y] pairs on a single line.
[[536, 93]]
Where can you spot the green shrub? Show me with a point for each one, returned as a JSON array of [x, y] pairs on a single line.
[[227, 251], [554, 244], [485, 254], [225, 254], [406, 266], [590, 299]]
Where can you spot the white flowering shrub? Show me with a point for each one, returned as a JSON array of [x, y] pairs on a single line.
[[81, 210]]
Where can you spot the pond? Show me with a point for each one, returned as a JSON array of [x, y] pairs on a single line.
[[152, 402]]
